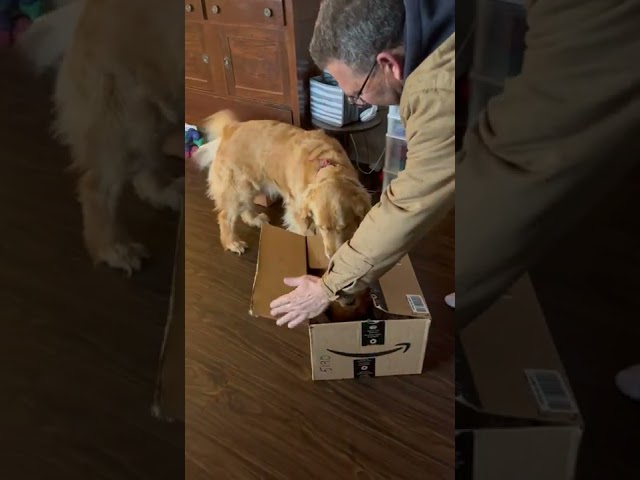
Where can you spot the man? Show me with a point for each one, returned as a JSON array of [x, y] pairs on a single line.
[[386, 52]]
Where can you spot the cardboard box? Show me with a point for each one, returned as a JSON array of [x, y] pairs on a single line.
[[516, 416], [168, 402], [393, 343]]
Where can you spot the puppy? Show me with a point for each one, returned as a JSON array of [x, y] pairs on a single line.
[[309, 170], [118, 94], [359, 309]]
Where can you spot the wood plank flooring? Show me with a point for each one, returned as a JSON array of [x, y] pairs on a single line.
[[252, 411]]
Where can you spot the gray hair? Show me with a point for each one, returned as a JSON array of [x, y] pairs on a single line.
[[356, 31]]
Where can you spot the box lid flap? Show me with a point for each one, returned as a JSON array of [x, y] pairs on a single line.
[[513, 361], [280, 254], [400, 291]]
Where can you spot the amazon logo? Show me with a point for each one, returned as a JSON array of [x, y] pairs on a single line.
[[399, 346]]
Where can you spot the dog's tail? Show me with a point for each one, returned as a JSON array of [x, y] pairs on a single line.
[[48, 38], [214, 126]]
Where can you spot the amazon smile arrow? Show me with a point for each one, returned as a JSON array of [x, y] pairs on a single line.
[[400, 346]]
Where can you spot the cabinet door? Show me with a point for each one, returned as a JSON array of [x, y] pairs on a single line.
[[256, 64], [202, 58]]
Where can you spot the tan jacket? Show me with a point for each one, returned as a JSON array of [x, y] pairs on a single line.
[[557, 140], [421, 194]]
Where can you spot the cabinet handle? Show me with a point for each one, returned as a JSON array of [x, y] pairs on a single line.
[[267, 12], [227, 62], [188, 8], [215, 9], [205, 58]]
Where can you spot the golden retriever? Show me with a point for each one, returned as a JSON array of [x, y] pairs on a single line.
[[309, 170], [119, 93]]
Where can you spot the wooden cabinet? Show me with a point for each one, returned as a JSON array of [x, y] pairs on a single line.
[[251, 56]]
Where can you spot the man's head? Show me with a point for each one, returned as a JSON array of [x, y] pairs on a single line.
[[360, 43]]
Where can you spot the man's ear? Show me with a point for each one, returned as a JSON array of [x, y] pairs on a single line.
[[388, 60]]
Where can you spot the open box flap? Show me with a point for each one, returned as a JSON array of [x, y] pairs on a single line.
[[399, 292], [316, 258], [512, 359], [280, 254]]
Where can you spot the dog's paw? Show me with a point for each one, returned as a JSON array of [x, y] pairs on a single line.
[[125, 256], [261, 219], [237, 246]]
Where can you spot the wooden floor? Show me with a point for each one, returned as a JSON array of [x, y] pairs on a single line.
[[252, 411], [79, 346], [589, 287]]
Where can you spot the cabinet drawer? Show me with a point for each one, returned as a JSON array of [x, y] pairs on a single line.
[[199, 105], [256, 64], [193, 10], [263, 13]]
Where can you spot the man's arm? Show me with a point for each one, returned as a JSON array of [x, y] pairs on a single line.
[[413, 203], [548, 149]]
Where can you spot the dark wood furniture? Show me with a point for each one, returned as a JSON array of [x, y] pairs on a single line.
[[342, 133], [250, 56]]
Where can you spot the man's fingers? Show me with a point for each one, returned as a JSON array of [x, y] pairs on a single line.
[[280, 301], [275, 312], [287, 318], [297, 321], [293, 281]]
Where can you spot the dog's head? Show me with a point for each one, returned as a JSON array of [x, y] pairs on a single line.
[[336, 204]]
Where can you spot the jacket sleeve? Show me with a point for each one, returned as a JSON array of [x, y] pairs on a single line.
[[412, 204]]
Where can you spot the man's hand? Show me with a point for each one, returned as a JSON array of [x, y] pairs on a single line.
[[307, 301]]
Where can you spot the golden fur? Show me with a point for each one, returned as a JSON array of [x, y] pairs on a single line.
[[119, 92], [309, 170]]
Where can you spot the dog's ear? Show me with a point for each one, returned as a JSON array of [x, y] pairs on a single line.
[[306, 216], [308, 199], [362, 202]]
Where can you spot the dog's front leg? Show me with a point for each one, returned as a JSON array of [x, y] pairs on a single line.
[[104, 235], [228, 235], [152, 180]]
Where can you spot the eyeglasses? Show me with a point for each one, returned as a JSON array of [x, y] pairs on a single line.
[[355, 99]]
